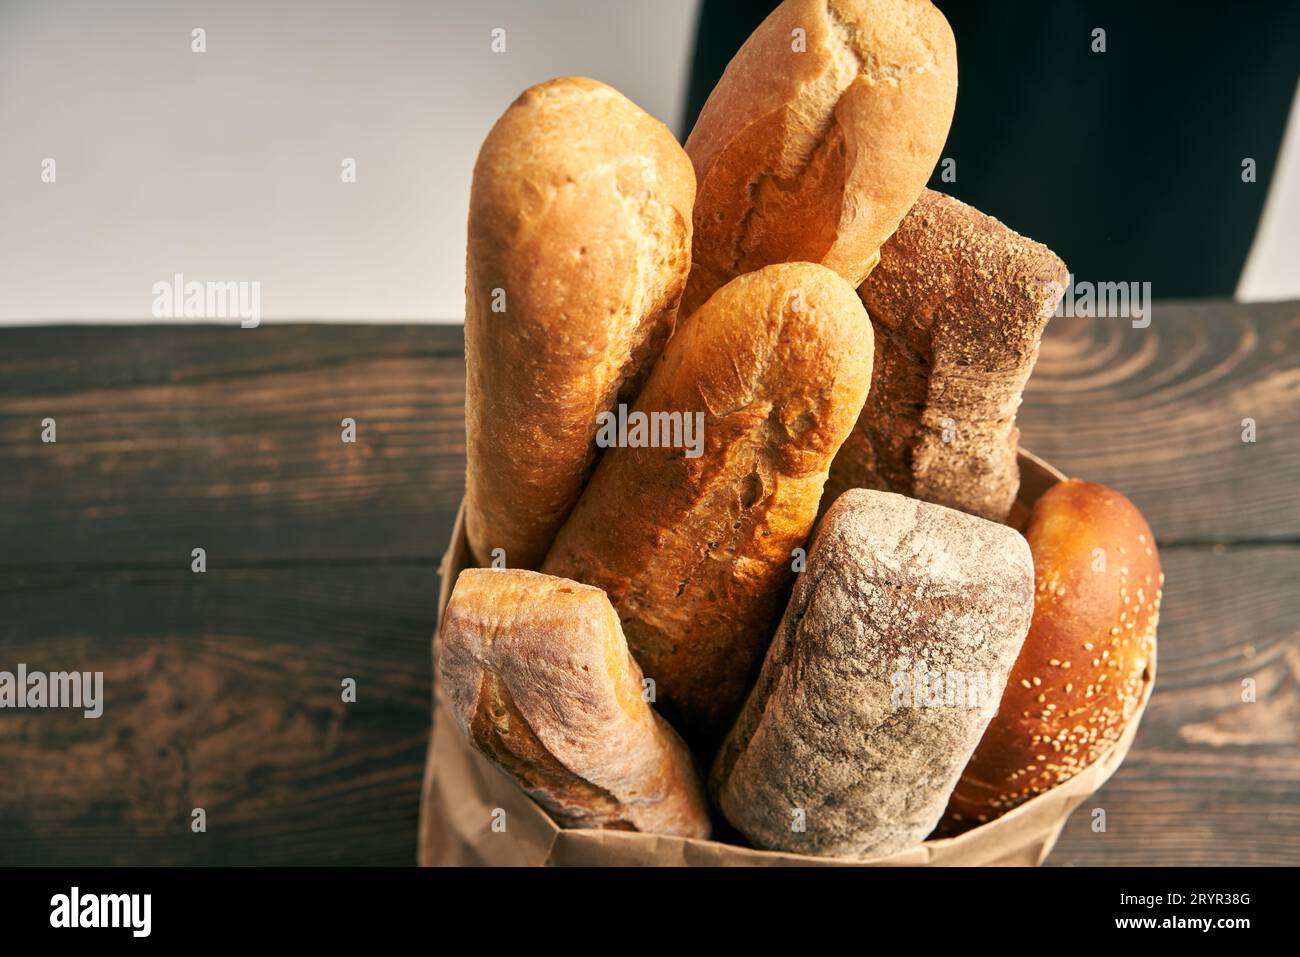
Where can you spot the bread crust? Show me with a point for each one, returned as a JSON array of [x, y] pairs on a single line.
[[815, 143], [835, 730], [538, 677], [959, 303], [695, 553], [1084, 667], [579, 229]]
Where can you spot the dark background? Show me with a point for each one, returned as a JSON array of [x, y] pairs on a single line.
[[1126, 163]]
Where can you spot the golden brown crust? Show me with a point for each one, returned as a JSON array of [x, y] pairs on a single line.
[[538, 676], [695, 553], [819, 137], [1083, 668], [579, 228], [959, 303]]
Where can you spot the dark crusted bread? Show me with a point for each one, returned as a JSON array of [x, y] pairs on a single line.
[[695, 553], [539, 678], [845, 734], [959, 303]]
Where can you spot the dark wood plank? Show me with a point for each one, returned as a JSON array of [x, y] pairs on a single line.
[[222, 691], [223, 688], [229, 439], [168, 435], [1157, 413], [1211, 780]]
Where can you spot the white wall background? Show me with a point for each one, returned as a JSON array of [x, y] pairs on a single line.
[[226, 165]]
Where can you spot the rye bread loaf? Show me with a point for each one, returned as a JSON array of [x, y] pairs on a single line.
[[538, 677], [579, 245], [818, 137], [695, 552], [883, 674], [1085, 666], [959, 303]]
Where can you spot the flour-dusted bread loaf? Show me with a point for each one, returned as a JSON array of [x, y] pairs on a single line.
[[579, 245], [883, 674], [694, 548], [539, 678], [1087, 661], [818, 138], [959, 303]]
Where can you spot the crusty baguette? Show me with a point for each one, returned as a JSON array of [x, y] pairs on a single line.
[[818, 138], [959, 303], [847, 747], [1085, 665], [695, 552], [539, 678], [579, 245]]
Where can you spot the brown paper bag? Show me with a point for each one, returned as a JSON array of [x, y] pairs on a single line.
[[464, 793]]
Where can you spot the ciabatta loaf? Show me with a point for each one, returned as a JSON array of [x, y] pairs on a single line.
[[538, 676]]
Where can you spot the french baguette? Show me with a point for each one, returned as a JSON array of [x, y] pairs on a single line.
[[885, 670], [819, 136], [695, 552], [579, 245], [539, 679]]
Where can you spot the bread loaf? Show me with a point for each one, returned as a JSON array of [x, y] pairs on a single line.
[[885, 670], [818, 138], [694, 549], [959, 303], [538, 676], [579, 245], [1086, 663]]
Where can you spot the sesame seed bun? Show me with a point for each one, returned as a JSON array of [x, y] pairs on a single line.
[[1083, 668]]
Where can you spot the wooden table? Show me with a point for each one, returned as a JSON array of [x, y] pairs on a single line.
[[223, 689]]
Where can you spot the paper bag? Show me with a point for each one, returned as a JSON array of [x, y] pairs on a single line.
[[465, 795]]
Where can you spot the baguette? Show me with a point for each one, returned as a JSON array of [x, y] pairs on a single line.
[[819, 137], [1087, 661], [959, 303], [695, 552], [579, 245], [846, 747], [539, 679]]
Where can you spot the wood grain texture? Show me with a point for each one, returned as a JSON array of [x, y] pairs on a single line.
[[223, 689], [1157, 413], [229, 439], [1211, 779]]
